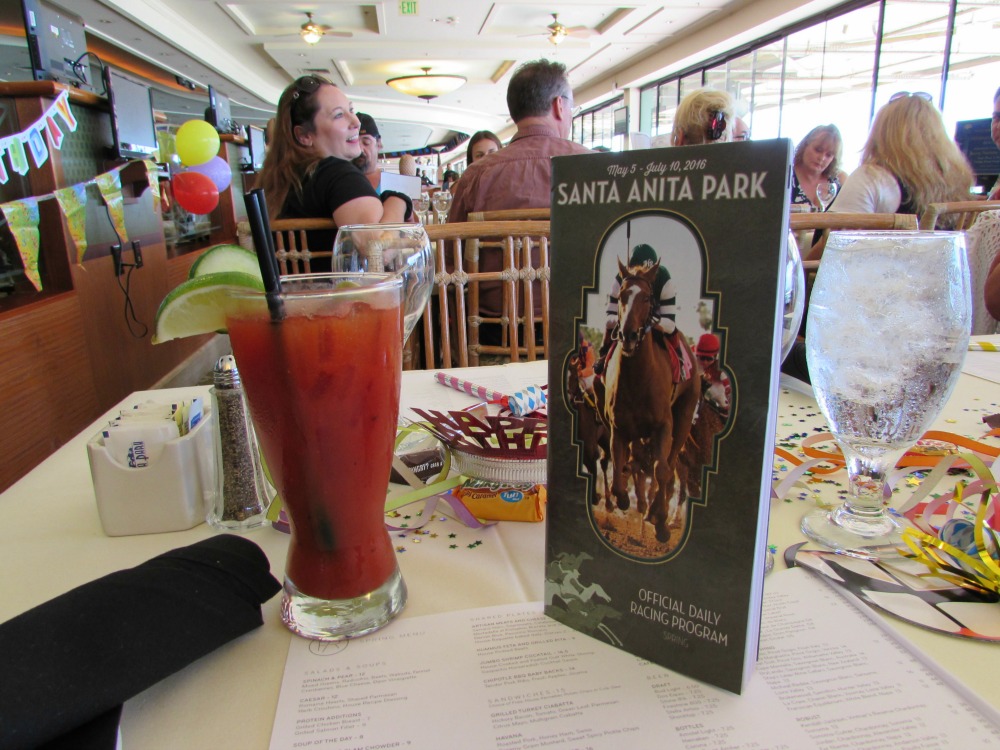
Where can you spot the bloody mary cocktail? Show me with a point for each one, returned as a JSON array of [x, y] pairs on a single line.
[[323, 388]]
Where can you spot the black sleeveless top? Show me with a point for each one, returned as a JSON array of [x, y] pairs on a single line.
[[906, 204]]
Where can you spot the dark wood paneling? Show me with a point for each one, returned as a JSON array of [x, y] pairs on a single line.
[[47, 392]]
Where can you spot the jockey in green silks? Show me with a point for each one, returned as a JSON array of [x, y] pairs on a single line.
[[663, 320]]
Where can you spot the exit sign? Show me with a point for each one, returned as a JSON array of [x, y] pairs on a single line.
[[407, 7]]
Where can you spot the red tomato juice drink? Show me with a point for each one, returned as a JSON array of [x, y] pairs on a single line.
[[323, 389]]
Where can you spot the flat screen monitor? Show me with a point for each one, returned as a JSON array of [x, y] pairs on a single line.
[[218, 112], [57, 44], [974, 139], [257, 146], [132, 123]]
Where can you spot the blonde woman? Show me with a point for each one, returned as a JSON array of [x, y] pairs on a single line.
[[817, 160], [909, 161], [703, 116]]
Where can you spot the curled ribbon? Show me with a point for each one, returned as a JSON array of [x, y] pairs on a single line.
[[438, 489], [956, 566], [915, 457]]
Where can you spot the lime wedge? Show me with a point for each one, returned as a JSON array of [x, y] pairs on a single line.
[[199, 305], [220, 258]]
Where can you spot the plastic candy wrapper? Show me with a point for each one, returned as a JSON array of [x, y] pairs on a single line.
[[419, 458], [498, 501]]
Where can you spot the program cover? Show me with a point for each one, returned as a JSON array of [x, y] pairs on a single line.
[[667, 296]]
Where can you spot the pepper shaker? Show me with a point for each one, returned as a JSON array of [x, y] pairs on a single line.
[[241, 497]]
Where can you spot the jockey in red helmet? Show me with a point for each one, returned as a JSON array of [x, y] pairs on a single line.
[[715, 383]]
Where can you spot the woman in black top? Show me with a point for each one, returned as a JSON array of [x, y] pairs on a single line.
[[308, 171]]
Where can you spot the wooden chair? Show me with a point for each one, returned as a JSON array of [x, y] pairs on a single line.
[[523, 247], [511, 214], [291, 246], [291, 243], [831, 220], [964, 213]]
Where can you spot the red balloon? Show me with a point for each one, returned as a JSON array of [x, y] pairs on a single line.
[[195, 192]]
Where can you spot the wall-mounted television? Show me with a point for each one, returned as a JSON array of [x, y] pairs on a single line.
[[132, 124], [219, 113], [57, 44], [975, 141], [257, 146]]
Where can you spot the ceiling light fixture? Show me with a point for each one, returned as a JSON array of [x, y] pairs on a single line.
[[428, 86], [311, 31]]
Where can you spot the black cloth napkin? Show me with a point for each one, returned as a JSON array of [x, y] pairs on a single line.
[[67, 665]]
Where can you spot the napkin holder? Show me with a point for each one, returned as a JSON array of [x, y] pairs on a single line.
[[171, 494]]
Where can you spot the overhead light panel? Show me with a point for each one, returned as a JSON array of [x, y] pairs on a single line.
[[428, 86]]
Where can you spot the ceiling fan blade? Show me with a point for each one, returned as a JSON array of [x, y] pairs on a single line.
[[581, 31]]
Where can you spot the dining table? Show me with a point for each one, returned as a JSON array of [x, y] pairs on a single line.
[[52, 540]]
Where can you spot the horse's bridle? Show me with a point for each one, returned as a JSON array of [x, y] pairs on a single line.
[[651, 319]]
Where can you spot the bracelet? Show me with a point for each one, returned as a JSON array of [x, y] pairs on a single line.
[[403, 197]]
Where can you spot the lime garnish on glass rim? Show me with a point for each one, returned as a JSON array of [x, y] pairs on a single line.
[[225, 257], [199, 305]]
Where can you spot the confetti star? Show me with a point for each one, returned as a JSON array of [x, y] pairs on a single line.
[[912, 482], [434, 536], [416, 541], [400, 549], [452, 535], [452, 546]]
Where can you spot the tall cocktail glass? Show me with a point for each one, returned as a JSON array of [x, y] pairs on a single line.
[[887, 332], [323, 386]]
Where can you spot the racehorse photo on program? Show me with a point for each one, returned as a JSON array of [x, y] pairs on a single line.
[[637, 397]]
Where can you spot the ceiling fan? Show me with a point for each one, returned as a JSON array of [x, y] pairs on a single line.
[[558, 32], [311, 32]]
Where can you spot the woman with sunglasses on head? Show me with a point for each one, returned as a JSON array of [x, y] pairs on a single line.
[[703, 116], [908, 162], [308, 171]]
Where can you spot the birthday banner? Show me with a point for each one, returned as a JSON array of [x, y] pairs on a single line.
[[22, 215], [30, 140]]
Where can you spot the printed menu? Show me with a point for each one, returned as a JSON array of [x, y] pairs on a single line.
[[510, 678]]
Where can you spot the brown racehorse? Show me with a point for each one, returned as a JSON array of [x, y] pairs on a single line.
[[697, 451], [590, 428], [650, 418]]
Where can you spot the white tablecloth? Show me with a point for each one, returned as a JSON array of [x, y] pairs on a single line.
[[51, 541]]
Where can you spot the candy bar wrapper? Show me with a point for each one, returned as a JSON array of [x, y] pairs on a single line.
[[492, 501]]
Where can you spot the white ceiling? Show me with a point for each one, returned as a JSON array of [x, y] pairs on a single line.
[[251, 49]]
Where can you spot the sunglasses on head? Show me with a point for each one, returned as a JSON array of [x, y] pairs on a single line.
[[919, 94], [307, 85], [717, 126]]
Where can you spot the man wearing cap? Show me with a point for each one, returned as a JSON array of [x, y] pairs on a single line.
[[716, 387], [371, 144], [664, 318]]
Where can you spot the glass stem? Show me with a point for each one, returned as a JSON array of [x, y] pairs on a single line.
[[864, 510]]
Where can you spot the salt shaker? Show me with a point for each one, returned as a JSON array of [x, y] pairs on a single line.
[[241, 497]]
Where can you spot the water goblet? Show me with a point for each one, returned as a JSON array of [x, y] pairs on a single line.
[[421, 205], [441, 202], [795, 297], [403, 250], [825, 193], [888, 328]]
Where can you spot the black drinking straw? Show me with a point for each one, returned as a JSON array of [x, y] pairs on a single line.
[[266, 256]]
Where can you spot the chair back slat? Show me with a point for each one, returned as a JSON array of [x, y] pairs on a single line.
[[834, 221], [511, 214], [961, 213]]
